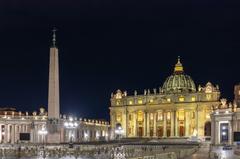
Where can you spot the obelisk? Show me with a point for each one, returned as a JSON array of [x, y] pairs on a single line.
[[53, 129], [53, 94]]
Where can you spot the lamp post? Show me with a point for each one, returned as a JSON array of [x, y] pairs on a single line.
[[43, 132], [119, 131], [71, 125]]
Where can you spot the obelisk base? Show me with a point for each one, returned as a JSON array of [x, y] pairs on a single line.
[[53, 138]]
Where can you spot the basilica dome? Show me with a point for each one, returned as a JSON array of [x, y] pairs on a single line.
[[178, 81]]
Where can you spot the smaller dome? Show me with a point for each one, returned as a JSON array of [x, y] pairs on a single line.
[[179, 81]]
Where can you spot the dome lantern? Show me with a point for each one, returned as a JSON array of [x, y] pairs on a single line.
[[178, 67], [178, 81]]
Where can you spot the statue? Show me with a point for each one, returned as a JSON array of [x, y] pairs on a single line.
[[224, 102], [125, 93], [155, 91], [119, 94], [112, 95], [135, 93], [145, 92], [148, 92], [199, 88]]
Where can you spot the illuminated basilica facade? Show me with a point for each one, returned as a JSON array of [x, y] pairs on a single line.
[[177, 109]]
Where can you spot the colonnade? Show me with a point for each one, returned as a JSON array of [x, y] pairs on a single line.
[[10, 133], [171, 123], [87, 134]]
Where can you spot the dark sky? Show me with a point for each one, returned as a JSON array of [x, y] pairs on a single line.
[[109, 44]]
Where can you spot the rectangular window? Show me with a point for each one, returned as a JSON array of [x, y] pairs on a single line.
[[119, 117], [140, 116], [181, 115]]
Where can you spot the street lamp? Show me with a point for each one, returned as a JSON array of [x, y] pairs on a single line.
[[119, 131], [72, 125], [43, 132]]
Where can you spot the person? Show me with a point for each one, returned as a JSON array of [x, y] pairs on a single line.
[[19, 151]]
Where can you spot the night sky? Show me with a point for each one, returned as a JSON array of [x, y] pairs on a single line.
[[109, 44]]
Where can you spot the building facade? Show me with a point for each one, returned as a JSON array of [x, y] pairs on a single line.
[[225, 120], [177, 109], [18, 127]]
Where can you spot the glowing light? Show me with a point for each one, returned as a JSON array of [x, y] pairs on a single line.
[[181, 99], [140, 101], [130, 102], [85, 135], [208, 116], [223, 133], [169, 100], [43, 131], [75, 124]]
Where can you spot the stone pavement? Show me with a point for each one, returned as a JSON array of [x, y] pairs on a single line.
[[203, 153]]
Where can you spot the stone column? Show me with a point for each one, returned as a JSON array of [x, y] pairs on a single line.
[[13, 134], [5, 133], [165, 124], [217, 132], [176, 124], [0, 133], [62, 135], [148, 125], [196, 120], [154, 124], [145, 124], [172, 124], [127, 125], [230, 132], [213, 130], [187, 125], [135, 123]]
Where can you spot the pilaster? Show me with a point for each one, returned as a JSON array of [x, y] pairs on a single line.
[[154, 124], [186, 124], [172, 124], [165, 124], [176, 124]]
